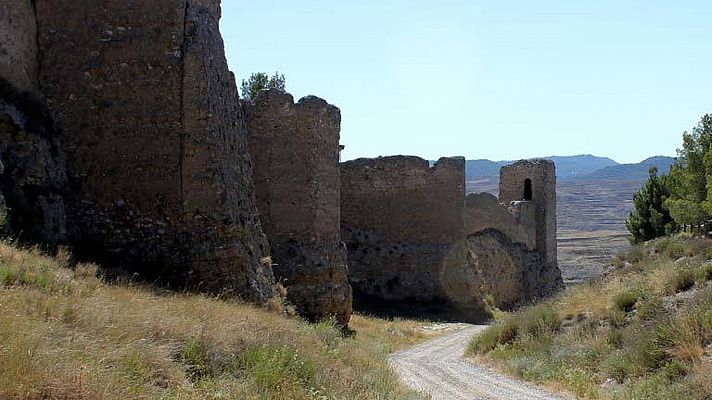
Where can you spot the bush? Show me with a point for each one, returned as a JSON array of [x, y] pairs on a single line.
[[532, 321], [625, 300], [679, 280], [650, 309], [196, 359], [539, 320], [616, 318], [273, 366], [615, 338], [617, 367], [703, 274], [499, 334]]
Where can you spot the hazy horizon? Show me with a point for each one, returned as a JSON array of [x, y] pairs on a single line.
[[487, 80]]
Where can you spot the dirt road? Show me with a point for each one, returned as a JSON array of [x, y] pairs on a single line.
[[437, 367]]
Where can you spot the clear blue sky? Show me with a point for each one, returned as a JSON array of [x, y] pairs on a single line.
[[488, 79]]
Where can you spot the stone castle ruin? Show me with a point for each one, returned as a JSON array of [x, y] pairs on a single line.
[[414, 238], [122, 136]]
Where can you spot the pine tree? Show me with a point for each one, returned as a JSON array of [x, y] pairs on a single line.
[[650, 218], [259, 81]]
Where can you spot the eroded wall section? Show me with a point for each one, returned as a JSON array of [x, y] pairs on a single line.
[[33, 171], [400, 217], [295, 152]]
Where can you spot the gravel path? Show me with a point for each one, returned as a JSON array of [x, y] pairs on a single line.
[[438, 368]]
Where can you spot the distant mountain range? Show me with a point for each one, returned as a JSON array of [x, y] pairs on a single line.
[[584, 167], [637, 171]]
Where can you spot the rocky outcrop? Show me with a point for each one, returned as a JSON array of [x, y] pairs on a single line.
[[295, 151], [489, 266], [155, 139], [33, 179]]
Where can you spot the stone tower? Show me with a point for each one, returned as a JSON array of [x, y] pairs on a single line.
[[295, 153], [160, 177], [534, 181]]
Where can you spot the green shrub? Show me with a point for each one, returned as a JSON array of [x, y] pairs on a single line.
[[625, 300], [703, 274], [532, 321], [616, 318], [499, 334], [329, 331], [674, 370], [272, 366], [538, 320], [617, 367], [194, 355], [676, 251], [650, 309], [615, 338], [636, 254], [647, 353], [680, 280]]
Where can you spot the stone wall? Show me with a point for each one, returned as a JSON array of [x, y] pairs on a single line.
[[542, 176], [400, 217], [483, 211], [155, 139], [18, 44], [295, 152], [412, 236]]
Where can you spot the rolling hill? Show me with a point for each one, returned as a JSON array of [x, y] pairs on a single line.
[[566, 166], [638, 171]]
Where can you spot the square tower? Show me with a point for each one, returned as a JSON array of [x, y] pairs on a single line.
[[534, 181]]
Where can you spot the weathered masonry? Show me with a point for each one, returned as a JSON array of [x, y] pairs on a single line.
[[121, 135], [413, 236], [295, 153], [400, 217]]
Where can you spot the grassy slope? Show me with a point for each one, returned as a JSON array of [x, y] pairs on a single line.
[[643, 332], [66, 335]]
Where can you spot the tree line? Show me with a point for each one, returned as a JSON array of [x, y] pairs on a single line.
[[683, 196]]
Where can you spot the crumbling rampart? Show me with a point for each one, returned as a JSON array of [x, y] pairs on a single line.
[[399, 218], [413, 235]]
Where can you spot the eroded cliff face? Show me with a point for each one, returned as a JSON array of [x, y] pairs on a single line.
[[33, 177], [295, 151], [155, 140], [489, 266]]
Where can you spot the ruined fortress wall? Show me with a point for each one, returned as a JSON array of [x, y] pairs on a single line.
[[18, 44], [488, 264], [512, 188], [295, 152], [400, 217], [483, 211], [156, 143]]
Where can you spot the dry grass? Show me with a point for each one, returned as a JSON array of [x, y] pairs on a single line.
[[64, 334], [647, 328]]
